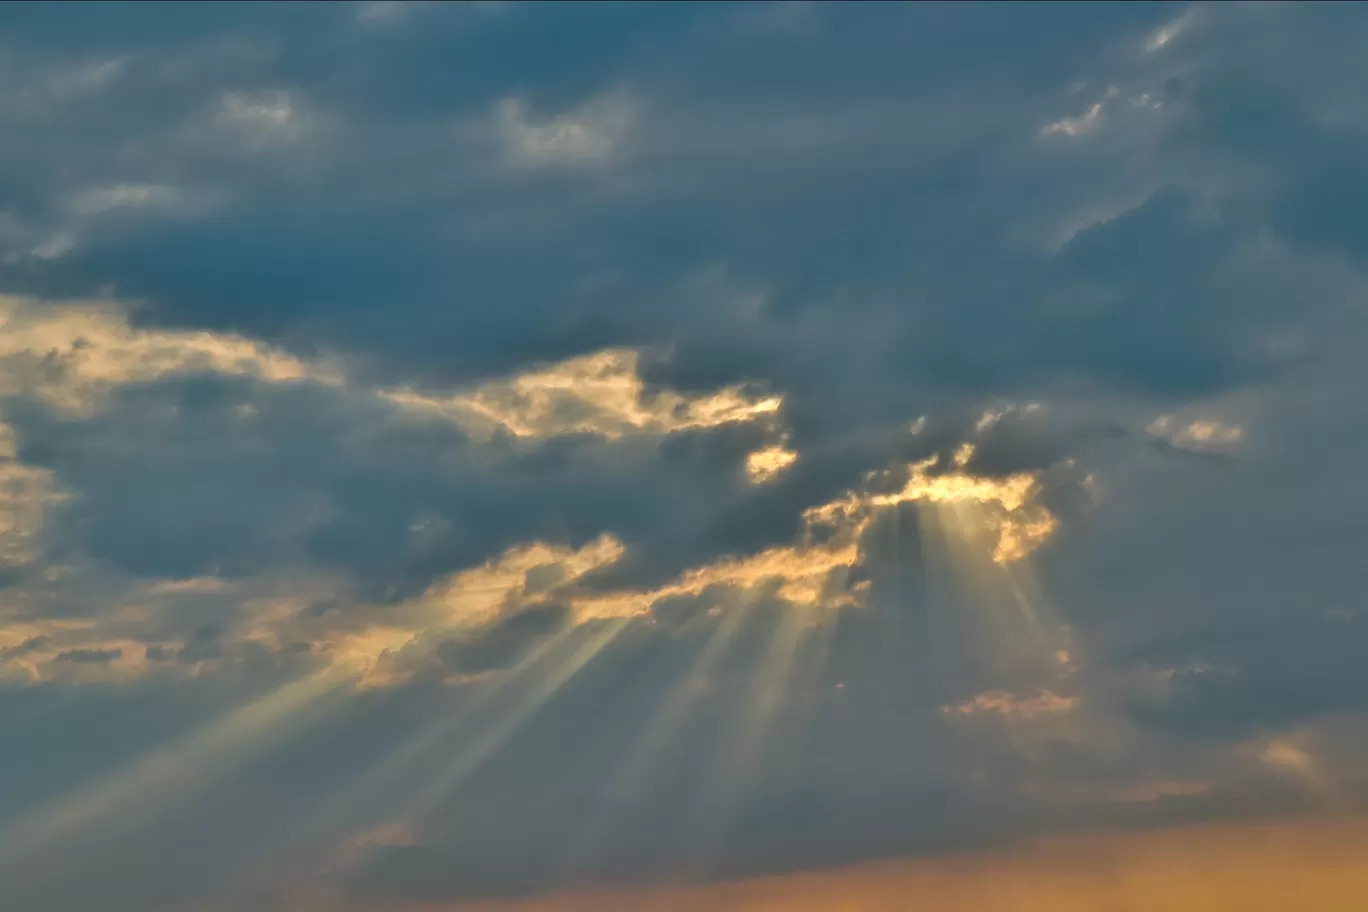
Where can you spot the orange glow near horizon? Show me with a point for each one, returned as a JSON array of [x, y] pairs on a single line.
[[1319, 865]]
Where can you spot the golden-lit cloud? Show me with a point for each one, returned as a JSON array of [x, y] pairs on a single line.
[[1007, 510], [769, 463], [600, 394], [393, 642], [72, 354], [809, 574], [461, 603], [137, 627]]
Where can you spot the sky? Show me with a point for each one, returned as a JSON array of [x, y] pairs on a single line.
[[735, 456]]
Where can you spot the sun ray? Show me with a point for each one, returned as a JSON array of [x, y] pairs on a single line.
[[682, 699], [1010, 620], [473, 756], [769, 686], [150, 784], [336, 812], [810, 681]]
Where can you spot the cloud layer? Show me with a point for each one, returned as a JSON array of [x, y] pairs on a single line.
[[453, 452]]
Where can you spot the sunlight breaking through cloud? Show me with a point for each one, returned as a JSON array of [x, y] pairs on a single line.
[[599, 394]]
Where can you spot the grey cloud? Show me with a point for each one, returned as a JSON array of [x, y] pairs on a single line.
[[29, 645], [501, 645], [89, 656], [1260, 679]]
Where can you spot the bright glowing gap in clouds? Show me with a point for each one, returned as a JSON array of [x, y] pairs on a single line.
[[600, 394], [810, 574]]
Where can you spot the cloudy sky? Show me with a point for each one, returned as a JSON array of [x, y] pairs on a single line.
[[722, 456]]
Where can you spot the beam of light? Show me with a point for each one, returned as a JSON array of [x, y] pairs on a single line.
[[770, 685], [489, 742], [1009, 613], [960, 547], [152, 782], [336, 812], [1054, 637], [666, 723], [684, 697], [811, 682]]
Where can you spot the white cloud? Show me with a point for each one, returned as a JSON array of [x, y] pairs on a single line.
[[256, 122], [590, 134], [1161, 37], [1085, 122], [55, 246], [274, 109], [1072, 126], [108, 198], [1203, 434]]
